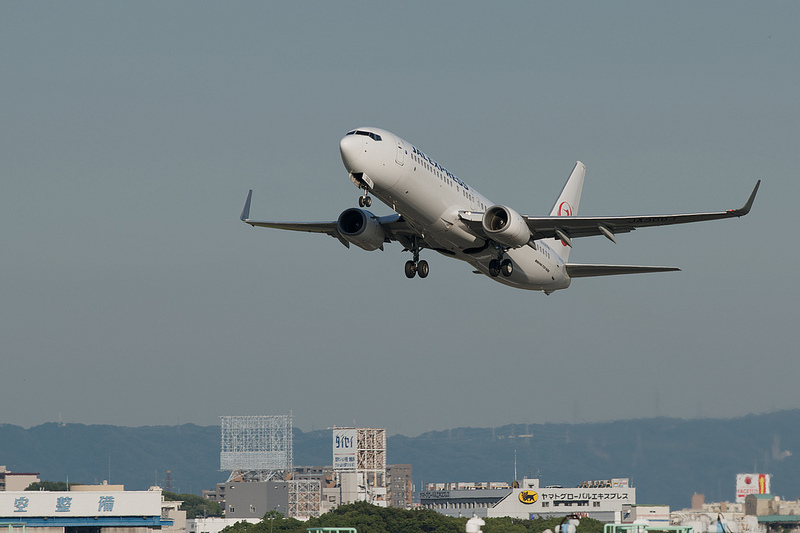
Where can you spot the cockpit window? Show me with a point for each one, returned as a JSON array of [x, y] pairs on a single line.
[[373, 136]]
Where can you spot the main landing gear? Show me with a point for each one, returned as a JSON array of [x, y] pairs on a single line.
[[365, 200], [500, 266], [415, 266]]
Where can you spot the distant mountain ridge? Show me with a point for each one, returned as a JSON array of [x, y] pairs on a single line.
[[666, 459]]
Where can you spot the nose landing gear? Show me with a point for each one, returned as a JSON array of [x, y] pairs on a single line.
[[365, 200]]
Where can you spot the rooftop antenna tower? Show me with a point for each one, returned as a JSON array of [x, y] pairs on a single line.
[[256, 447]]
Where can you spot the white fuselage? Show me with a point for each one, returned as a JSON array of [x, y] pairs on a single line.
[[429, 198]]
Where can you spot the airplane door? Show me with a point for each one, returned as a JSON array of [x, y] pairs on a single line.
[[399, 158]]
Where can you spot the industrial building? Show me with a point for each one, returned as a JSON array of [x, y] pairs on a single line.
[[258, 452], [602, 500], [308, 491]]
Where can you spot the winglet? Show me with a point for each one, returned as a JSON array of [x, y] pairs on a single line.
[[742, 211], [246, 209]]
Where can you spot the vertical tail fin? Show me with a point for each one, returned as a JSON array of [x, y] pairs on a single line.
[[567, 206]]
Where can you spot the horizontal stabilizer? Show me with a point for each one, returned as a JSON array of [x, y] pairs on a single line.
[[575, 270]]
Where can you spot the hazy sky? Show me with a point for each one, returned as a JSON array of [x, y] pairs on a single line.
[[130, 133]]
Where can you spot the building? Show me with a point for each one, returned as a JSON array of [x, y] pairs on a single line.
[[359, 464], [399, 486], [105, 487], [706, 519], [463, 499], [101, 511], [171, 512], [214, 524], [308, 491], [773, 512], [602, 500], [16, 481], [258, 452], [252, 499], [652, 515]]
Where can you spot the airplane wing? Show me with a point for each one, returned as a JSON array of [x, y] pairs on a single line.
[[576, 270], [568, 228], [394, 226]]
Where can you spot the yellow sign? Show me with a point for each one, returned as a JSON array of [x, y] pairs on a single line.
[[528, 496]]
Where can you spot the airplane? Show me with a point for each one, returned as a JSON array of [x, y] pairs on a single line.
[[437, 210]]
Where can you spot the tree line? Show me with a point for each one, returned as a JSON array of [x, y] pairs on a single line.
[[368, 518]]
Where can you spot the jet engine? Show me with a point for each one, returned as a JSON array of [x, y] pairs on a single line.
[[361, 228], [506, 226]]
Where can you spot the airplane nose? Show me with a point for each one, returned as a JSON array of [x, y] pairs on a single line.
[[352, 148]]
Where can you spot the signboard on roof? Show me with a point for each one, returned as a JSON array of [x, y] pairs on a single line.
[[74, 504], [751, 484], [344, 449]]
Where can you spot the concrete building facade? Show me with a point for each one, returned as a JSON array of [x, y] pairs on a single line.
[[253, 499], [399, 486]]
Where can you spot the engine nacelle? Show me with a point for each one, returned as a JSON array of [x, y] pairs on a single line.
[[361, 228], [506, 226]]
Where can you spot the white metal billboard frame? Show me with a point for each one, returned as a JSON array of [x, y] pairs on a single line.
[[256, 443], [304, 498], [371, 449]]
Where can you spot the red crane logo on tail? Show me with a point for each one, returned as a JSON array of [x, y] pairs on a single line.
[[564, 210]]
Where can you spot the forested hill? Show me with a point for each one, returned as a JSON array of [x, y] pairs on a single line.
[[666, 459]]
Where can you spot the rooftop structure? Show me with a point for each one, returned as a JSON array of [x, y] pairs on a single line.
[[256, 446], [359, 462]]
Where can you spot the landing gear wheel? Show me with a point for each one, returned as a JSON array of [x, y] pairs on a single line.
[[423, 269], [411, 270], [365, 200], [506, 268], [415, 266], [494, 268]]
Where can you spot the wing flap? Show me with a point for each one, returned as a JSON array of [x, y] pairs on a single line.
[[577, 270]]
